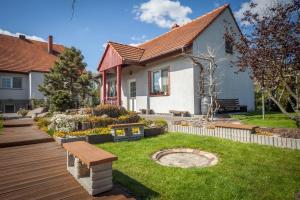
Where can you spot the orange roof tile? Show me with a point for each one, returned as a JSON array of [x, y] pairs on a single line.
[[179, 37], [169, 42], [127, 52], [24, 55]]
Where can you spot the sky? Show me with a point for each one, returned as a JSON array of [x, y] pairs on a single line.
[[95, 22]]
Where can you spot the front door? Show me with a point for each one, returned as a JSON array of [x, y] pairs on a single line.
[[132, 95]]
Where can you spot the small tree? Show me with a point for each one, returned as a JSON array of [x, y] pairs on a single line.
[[207, 79], [271, 49], [68, 82]]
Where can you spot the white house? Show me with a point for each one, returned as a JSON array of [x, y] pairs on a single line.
[[23, 63], [158, 75]]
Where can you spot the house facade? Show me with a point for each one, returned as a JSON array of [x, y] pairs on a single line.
[[23, 63], [158, 74]]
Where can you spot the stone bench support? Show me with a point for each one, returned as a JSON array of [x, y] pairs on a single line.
[[128, 131], [94, 175]]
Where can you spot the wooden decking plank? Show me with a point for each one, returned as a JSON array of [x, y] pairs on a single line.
[[38, 186], [30, 176], [38, 171]]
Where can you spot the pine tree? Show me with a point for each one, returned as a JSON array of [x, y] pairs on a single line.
[[68, 82]]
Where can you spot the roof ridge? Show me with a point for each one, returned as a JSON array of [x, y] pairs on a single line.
[[31, 40], [221, 7], [125, 45]]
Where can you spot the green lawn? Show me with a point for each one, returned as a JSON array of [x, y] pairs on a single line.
[[244, 171], [273, 120]]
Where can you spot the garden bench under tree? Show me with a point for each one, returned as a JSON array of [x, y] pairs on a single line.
[[227, 105], [128, 133], [91, 166]]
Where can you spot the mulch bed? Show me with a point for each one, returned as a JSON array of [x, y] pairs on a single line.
[[280, 132]]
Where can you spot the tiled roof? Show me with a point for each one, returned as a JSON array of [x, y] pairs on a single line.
[[169, 42], [179, 37], [127, 52], [24, 55]]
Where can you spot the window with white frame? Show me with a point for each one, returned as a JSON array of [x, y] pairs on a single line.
[[159, 81], [11, 82]]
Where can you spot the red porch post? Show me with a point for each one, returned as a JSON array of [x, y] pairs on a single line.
[[104, 86], [119, 71]]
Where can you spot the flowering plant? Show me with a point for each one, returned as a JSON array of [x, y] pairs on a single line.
[[65, 123]]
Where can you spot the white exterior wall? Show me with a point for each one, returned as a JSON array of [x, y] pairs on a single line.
[[35, 79], [181, 86], [231, 85], [15, 94]]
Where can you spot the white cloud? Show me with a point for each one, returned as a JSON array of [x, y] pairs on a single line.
[[163, 13], [262, 5], [138, 38], [31, 37], [135, 44]]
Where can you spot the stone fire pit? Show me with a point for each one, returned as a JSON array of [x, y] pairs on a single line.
[[184, 158]]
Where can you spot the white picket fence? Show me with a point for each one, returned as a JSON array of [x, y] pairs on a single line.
[[238, 135]]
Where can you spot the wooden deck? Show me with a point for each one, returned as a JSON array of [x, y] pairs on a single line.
[[38, 171], [22, 132]]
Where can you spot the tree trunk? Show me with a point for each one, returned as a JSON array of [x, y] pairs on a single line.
[[292, 117]]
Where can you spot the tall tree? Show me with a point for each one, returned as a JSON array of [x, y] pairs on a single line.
[[271, 49], [68, 82]]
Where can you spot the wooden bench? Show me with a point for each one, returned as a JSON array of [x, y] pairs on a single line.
[[127, 128], [91, 166], [179, 113], [226, 105]]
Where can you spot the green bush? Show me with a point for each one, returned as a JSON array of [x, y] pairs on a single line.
[[101, 121], [61, 101], [109, 110], [42, 123]]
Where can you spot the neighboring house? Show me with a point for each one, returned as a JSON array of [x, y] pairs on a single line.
[[158, 75], [23, 63]]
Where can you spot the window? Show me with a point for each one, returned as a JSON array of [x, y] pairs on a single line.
[[159, 82], [11, 82], [6, 82], [228, 46], [17, 82], [133, 89], [112, 88]]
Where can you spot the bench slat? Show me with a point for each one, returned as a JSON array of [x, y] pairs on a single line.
[[89, 154]]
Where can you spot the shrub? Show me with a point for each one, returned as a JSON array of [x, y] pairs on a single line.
[[65, 123], [22, 112], [132, 117], [109, 110], [157, 123], [94, 131], [101, 121], [61, 101], [42, 122]]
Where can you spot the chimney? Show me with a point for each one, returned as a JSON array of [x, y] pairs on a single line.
[[22, 37], [174, 26], [50, 44]]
